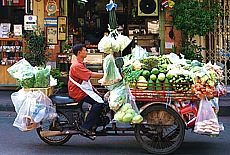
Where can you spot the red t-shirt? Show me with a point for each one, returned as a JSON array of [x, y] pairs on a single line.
[[78, 72]]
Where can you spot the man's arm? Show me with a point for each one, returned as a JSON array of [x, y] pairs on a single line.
[[97, 75]]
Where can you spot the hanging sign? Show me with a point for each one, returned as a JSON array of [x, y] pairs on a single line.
[[17, 30], [50, 21], [62, 27], [30, 22], [51, 8]]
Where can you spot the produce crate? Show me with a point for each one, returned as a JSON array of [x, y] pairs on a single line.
[[48, 91], [166, 93]]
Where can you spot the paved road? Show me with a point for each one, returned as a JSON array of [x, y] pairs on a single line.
[[15, 142]]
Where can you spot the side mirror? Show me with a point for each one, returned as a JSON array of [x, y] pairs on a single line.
[[119, 62]]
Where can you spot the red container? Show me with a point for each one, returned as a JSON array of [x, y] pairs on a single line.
[[188, 109]]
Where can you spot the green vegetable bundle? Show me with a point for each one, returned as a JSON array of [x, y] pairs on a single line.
[[181, 82], [42, 77], [149, 62], [29, 76]]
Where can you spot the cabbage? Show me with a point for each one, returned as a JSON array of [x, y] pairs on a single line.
[[155, 71], [137, 65], [127, 118], [130, 111], [125, 107], [119, 116], [161, 76], [137, 119], [141, 78], [169, 76]]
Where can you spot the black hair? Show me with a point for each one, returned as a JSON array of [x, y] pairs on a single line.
[[77, 47]]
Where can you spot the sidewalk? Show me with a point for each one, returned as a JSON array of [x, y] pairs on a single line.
[[5, 100], [7, 105]]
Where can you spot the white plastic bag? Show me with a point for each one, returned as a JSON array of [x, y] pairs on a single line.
[[111, 72], [35, 108], [206, 122], [43, 109], [23, 121], [117, 96], [21, 70], [128, 113], [18, 98], [138, 52]]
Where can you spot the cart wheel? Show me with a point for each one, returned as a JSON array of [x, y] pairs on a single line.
[[163, 132], [47, 126]]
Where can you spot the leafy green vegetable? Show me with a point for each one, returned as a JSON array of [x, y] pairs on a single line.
[[131, 75], [149, 62], [155, 71], [42, 77], [27, 80]]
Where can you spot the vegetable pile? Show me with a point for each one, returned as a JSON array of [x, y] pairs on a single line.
[[29, 76], [171, 73], [127, 114]]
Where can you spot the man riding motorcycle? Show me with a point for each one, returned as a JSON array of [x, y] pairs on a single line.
[[80, 88]]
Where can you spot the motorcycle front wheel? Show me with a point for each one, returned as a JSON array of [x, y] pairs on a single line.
[[49, 126]]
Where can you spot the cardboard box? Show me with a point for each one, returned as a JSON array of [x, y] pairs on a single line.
[[48, 91]]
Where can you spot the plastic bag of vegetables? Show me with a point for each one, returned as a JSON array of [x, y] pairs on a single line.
[[35, 108], [207, 121], [27, 79], [117, 96], [42, 77], [138, 52], [20, 69], [111, 72], [108, 45], [128, 113], [123, 41]]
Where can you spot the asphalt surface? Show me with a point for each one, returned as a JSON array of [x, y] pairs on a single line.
[[15, 142]]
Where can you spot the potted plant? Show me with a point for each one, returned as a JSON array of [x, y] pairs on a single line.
[[36, 53]]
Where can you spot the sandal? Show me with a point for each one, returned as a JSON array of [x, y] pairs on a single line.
[[86, 131]]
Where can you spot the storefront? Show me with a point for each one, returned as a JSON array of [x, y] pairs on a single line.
[[68, 22], [141, 21], [11, 41]]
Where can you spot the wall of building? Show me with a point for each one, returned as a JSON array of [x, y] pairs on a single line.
[[40, 10], [177, 34]]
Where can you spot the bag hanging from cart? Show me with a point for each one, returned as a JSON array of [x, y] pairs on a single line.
[[207, 121]]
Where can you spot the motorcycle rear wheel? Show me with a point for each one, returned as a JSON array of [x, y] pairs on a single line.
[[163, 132], [54, 140]]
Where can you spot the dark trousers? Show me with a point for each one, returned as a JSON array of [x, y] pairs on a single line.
[[94, 113]]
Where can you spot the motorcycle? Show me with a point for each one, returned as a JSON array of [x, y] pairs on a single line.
[[168, 132], [161, 132]]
